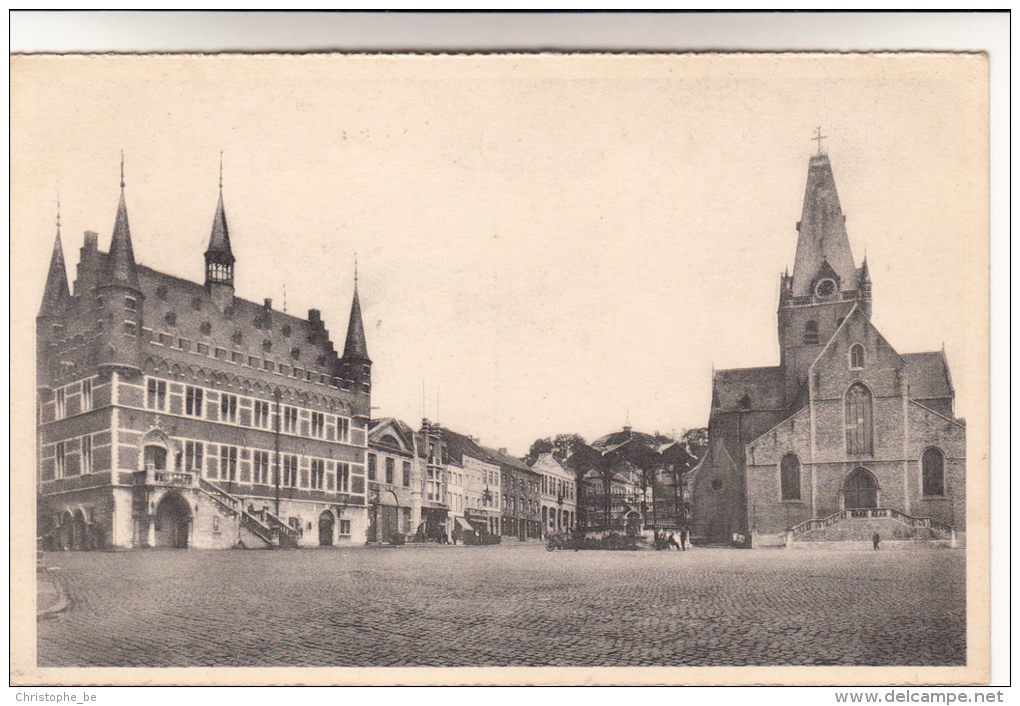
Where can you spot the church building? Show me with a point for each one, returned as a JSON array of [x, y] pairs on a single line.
[[846, 437], [173, 413]]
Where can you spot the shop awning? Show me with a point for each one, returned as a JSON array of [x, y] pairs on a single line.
[[463, 524]]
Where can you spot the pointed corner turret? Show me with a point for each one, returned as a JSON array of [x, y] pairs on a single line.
[[121, 298], [57, 293], [865, 275], [120, 263], [355, 365]]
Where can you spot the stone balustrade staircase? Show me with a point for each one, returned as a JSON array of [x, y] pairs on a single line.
[[860, 524], [269, 528]]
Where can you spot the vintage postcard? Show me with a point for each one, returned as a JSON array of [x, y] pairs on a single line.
[[500, 369]]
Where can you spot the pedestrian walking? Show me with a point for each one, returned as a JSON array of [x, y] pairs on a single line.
[[683, 539], [672, 541], [875, 539]]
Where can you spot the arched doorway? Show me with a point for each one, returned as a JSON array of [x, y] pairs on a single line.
[[860, 490], [65, 532], [79, 532], [173, 519], [326, 524], [633, 518]]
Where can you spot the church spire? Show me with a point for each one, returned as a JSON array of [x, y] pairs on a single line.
[[822, 245], [120, 267], [57, 292], [355, 347]]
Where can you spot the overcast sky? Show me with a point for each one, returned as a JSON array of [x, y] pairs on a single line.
[[549, 245]]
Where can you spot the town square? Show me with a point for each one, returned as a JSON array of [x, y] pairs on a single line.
[[507, 605]]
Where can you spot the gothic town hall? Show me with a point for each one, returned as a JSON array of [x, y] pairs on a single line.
[[176, 414]]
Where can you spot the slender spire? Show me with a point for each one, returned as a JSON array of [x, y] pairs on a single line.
[[355, 346], [219, 258], [120, 266], [57, 291], [822, 238], [865, 276]]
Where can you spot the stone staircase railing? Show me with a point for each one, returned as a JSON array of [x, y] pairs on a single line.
[[862, 513], [273, 530]]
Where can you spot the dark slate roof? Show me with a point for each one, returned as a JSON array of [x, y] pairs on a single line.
[[355, 346], [120, 263], [219, 239], [458, 446], [762, 386], [170, 308], [617, 439], [928, 374], [56, 292], [504, 459]]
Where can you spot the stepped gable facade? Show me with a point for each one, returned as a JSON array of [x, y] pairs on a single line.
[[174, 413], [844, 426]]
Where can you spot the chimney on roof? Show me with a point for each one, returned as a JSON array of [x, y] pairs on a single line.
[[267, 305], [314, 316], [502, 450]]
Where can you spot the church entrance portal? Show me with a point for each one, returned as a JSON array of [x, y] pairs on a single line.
[[173, 518], [860, 490]]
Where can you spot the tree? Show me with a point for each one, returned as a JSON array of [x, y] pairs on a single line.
[[538, 447], [565, 444], [696, 441]]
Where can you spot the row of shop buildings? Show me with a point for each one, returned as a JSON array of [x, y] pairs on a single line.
[[434, 484]]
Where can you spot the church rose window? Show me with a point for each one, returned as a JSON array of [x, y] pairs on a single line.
[[859, 424], [789, 472], [933, 472]]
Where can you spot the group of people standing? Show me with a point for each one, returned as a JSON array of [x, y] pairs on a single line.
[[667, 541]]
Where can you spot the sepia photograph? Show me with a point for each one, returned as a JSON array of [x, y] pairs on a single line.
[[481, 365]]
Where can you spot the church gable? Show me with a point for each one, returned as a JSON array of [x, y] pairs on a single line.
[[792, 435], [857, 352]]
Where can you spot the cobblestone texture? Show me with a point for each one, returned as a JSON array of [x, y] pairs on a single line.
[[507, 605]]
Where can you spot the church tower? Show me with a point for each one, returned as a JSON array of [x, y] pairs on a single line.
[[219, 259], [825, 285], [120, 297]]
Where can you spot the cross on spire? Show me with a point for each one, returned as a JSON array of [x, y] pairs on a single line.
[[819, 137], [355, 269], [122, 169], [58, 214], [221, 170]]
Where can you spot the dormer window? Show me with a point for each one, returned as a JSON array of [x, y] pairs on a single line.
[[856, 356], [130, 304]]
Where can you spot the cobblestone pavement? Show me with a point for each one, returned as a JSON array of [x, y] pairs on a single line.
[[507, 605]]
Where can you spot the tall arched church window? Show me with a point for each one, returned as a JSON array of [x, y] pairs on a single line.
[[933, 472], [811, 333], [859, 423], [857, 356], [789, 477]]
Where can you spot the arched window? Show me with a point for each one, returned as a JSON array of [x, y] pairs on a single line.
[[789, 477], [858, 420], [811, 333], [933, 466], [857, 356], [155, 457]]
